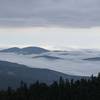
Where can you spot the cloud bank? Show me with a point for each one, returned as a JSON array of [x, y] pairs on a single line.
[[60, 13]]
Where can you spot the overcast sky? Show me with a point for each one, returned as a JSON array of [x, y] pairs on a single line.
[[50, 23], [68, 13]]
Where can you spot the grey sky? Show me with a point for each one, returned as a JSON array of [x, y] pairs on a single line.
[[50, 23], [65, 13]]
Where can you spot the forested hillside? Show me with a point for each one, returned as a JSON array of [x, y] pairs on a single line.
[[63, 90]]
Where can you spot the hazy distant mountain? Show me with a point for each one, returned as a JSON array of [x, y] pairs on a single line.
[[27, 50], [11, 74], [14, 49], [48, 57], [93, 59], [74, 62]]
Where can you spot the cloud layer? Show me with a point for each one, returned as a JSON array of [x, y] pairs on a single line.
[[62, 13]]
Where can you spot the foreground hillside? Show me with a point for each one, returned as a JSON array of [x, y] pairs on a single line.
[[11, 74]]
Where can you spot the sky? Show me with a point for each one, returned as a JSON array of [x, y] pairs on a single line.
[[51, 38], [52, 24]]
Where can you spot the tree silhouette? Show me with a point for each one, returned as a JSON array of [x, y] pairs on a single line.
[[64, 89]]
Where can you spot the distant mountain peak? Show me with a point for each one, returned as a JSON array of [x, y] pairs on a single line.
[[26, 50]]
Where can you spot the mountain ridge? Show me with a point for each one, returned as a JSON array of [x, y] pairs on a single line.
[[12, 73], [26, 50]]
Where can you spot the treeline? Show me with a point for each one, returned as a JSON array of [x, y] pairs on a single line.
[[84, 89]]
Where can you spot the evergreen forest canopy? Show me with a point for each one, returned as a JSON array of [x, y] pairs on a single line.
[[84, 89]]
